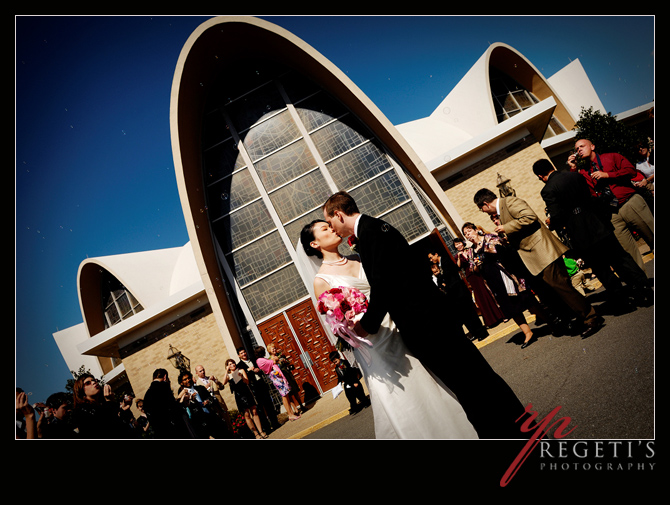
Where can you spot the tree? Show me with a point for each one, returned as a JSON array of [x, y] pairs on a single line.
[[607, 134], [69, 386]]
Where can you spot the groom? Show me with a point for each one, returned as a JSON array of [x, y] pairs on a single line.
[[399, 287]]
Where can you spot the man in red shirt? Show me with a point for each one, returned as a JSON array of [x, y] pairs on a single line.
[[609, 177]]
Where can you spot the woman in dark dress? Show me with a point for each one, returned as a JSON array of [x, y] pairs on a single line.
[[489, 309], [489, 255], [244, 398]]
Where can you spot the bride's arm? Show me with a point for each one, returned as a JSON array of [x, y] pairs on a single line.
[[320, 286]]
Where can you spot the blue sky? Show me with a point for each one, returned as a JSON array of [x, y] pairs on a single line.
[[94, 168]]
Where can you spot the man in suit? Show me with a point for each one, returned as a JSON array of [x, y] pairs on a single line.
[[540, 251], [199, 403], [428, 325], [166, 416], [571, 207]]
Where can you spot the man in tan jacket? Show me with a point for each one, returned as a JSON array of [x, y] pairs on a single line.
[[540, 250]]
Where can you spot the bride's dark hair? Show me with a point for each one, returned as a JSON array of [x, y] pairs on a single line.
[[307, 236]]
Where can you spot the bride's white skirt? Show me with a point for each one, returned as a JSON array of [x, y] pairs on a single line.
[[407, 400]]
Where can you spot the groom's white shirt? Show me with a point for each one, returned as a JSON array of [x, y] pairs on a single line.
[[356, 225]]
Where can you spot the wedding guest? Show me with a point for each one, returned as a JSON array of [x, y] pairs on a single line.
[[96, 412], [212, 384], [163, 410], [509, 291], [458, 295], [571, 208], [246, 403], [287, 369], [609, 176], [540, 251], [199, 405], [644, 165], [350, 378], [26, 424], [260, 389], [271, 369], [488, 307], [59, 424], [143, 423]]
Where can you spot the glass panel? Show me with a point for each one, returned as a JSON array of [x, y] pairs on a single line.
[[230, 193], [523, 99], [437, 222], [407, 221], [338, 137], [124, 305], [258, 258], [300, 195], [274, 292], [253, 107], [508, 103], [556, 125], [221, 160], [284, 165], [270, 135], [242, 226], [358, 166], [318, 110], [112, 315], [380, 194], [294, 228]]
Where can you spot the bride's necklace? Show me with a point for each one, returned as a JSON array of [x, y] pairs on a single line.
[[342, 261]]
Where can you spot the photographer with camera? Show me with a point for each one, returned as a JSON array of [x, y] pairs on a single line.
[[610, 178]]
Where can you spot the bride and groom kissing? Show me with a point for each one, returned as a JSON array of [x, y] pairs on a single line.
[[425, 378]]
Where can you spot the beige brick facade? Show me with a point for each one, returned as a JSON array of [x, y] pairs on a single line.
[[199, 339], [515, 163]]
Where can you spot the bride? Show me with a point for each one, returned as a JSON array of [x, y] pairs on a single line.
[[407, 400]]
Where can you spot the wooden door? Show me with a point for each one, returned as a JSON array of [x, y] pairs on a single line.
[[299, 334]]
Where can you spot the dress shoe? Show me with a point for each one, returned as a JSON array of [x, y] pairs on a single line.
[[643, 297], [526, 344], [593, 326]]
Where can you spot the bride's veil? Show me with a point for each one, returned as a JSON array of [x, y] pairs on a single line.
[[309, 266]]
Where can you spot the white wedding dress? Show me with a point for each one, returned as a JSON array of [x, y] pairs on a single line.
[[407, 401]]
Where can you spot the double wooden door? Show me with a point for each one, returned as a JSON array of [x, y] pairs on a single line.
[[299, 334]]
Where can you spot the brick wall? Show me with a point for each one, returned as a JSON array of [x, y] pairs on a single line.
[[514, 163]]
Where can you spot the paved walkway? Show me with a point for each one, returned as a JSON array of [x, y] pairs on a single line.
[[328, 409]]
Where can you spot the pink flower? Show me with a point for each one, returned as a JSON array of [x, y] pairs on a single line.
[[341, 307]]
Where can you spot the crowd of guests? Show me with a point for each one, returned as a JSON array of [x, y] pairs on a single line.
[[194, 408], [598, 208]]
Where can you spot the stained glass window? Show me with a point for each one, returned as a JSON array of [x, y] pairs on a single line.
[[262, 177]]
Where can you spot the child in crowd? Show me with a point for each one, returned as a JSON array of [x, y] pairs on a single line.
[[350, 377]]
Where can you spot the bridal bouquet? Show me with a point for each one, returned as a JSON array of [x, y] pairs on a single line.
[[343, 307]]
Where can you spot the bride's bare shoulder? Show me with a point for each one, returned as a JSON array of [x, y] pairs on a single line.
[[320, 286]]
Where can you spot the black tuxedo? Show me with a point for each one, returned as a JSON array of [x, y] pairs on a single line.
[[591, 234], [431, 330]]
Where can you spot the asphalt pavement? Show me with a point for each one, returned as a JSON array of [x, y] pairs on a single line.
[[604, 383]]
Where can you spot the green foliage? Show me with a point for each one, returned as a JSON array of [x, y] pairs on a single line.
[[607, 134]]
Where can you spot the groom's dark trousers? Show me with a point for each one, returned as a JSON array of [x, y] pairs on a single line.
[[400, 287]]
